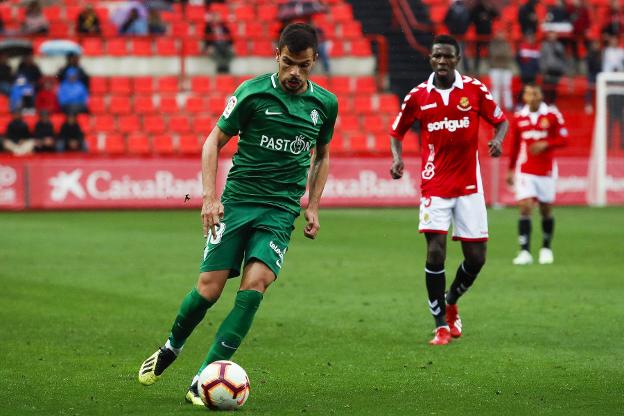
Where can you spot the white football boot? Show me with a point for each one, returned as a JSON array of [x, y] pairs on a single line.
[[546, 256], [523, 258]]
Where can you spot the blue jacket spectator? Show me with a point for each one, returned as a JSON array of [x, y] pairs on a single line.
[[72, 94], [22, 94], [135, 24]]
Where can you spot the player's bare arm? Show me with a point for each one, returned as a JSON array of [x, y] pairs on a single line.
[[496, 144], [318, 177], [212, 208], [396, 171]]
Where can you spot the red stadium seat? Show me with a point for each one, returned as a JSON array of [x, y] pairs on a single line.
[[120, 85], [84, 120], [128, 124], [350, 30], [52, 13], [179, 124], [203, 125], [167, 84], [97, 105], [92, 47], [141, 47], [154, 124], [190, 144], [119, 105], [267, 12], [138, 144], [216, 105], [56, 119], [226, 84], [342, 12], [166, 47], [114, 144], [195, 13], [337, 144], [389, 103], [363, 104], [348, 123], [142, 85], [340, 84], [365, 85], [168, 105], [201, 84], [262, 48], [103, 123], [375, 123], [361, 47], [321, 80], [163, 144], [358, 143], [98, 85], [92, 143], [244, 13], [192, 47], [59, 30], [194, 105], [116, 47], [143, 104], [382, 143], [241, 47], [179, 29], [337, 49]]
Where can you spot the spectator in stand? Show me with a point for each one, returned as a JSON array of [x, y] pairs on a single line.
[[73, 61], [483, 13], [6, 75], [613, 61], [501, 61], [613, 22], [134, 24], [35, 22], [594, 67], [70, 136], [553, 65], [45, 140], [527, 17], [18, 139], [155, 25], [29, 68], [72, 94], [579, 16], [218, 42], [22, 95], [323, 49], [88, 22], [46, 97], [528, 59], [457, 21], [558, 20]]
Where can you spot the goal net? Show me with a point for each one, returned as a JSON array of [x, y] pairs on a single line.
[[608, 140]]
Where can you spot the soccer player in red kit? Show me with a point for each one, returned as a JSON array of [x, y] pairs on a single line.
[[448, 107], [537, 130]]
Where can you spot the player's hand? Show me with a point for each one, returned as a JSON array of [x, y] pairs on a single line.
[[495, 148], [538, 147], [211, 215], [510, 178], [312, 223], [396, 171]]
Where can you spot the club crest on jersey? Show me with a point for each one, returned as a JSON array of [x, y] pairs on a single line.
[[544, 123], [229, 106], [314, 115], [464, 104]]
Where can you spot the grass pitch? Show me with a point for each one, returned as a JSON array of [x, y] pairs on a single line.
[[86, 296]]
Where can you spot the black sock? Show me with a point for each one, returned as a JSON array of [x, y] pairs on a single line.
[[524, 233], [465, 277], [436, 283], [548, 228]]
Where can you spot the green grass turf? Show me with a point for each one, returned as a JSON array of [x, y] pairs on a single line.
[[86, 296]]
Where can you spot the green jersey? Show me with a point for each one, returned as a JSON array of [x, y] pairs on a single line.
[[277, 131]]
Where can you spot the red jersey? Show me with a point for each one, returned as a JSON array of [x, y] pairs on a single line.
[[544, 124], [449, 129]]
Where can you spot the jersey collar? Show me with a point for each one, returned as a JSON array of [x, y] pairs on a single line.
[[274, 82], [458, 83], [542, 110]]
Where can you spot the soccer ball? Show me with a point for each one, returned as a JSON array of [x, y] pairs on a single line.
[[223, 385]]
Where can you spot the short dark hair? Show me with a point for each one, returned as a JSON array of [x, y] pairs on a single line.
[[298, 37], [531, 85], [447, 40]]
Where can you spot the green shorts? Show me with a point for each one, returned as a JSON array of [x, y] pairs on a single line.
[[249, 231]]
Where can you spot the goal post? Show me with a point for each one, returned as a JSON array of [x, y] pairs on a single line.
[[609, 113]]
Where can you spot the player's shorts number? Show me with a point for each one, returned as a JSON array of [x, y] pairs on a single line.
[[429, 169]]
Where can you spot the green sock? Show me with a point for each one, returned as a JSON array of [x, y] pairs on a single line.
[[234, 328], [191, 312]]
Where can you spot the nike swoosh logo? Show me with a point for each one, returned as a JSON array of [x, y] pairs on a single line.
[[223, 344], [271, 113]]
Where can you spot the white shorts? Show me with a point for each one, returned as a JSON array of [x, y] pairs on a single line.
[[467, 214], [542, 188]]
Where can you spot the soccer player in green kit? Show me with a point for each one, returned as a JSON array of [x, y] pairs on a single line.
[[280, 118]]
